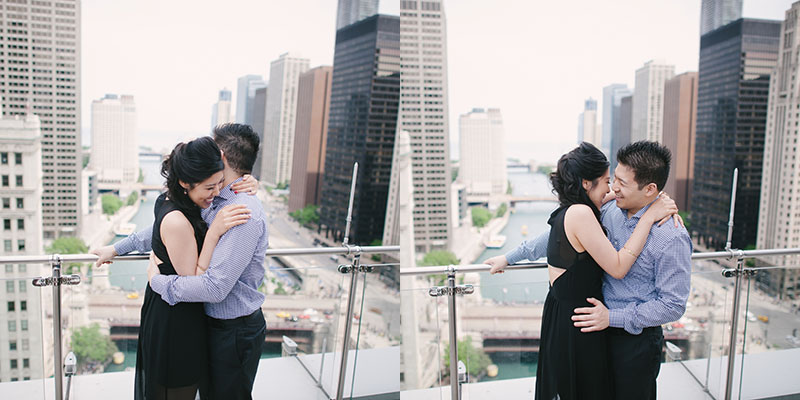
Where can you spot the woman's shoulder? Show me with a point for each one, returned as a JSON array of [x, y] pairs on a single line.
[[175, 221], [579, 211]]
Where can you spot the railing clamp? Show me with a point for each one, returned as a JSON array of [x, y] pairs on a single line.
[[730, 272], [437, 291], [56, 279]]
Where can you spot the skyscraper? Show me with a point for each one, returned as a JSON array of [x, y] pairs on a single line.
[[42, 59], [778, 219], [587, 124], [259, 114], [621, 135], [680, 119], [717, 13], [648, 100], [352, 11], [732, 90], [365, 94], [483, 159], [246, 87], [424, 115], [311, 135], [115, 153], [221, 110], [279, 123], [612, 95], [21, 196]]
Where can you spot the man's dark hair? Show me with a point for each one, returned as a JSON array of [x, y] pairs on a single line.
[[649, 162], [240, 143]]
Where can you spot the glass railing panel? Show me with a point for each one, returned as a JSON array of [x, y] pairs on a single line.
[[26, 332], [375, 331], [769, 327], [424, 338]]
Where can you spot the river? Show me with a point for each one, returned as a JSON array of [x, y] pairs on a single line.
[[526, 286]]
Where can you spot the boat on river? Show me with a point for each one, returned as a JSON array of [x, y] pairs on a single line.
[[125, 229], [496, 242]]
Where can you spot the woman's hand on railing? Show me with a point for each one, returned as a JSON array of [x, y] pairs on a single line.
[[498, 263], [104, 255]]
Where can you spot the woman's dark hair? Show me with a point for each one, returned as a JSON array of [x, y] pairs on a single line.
[[583, 162], [192, 163]]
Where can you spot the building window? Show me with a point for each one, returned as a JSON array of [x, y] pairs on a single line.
[[11, 306], [23, 305], [23, 324], [23, 268], [6, 203], [20, 203], [13, 364], [19, 180], [25, 344], [6, 224], [9, 286], [12, 326], [26, 363], [5, 180], [7, 245], [21, 244], [12, 345], [23, 287], [18, 158], [9, 267], [21, 224], [4, 158]]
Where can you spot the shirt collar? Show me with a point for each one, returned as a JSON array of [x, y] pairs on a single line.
[[638, 214], [226, 193]]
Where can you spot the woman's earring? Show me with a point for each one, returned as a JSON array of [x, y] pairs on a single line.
[[185, 192]]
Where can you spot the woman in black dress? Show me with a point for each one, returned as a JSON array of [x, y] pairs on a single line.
[[172, 356], [573, 364]]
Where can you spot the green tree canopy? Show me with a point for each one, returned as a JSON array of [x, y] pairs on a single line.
[[439, 257], [480, 216], [68, 245], [502, 210], [111, 204], [131, 200], [89, 345], [307, 215], [476, 360]]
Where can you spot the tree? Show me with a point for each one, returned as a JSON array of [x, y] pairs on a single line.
[[131, 200], [501, 210], [687, 219], [307, 215], [439, 257], [68, 245], [480, 216], [91, 346], [376, 242], [282, 185], [111, 204], [476, 360], [510, 188], [545, 169]]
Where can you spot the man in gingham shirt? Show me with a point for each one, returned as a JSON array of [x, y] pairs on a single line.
[[656, 288], [229, 288]]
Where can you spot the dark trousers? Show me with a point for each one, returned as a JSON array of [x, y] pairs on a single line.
[[635, 362], [234, 351]]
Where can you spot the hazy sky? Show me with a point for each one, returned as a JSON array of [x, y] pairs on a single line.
[[535, 60], [175, 56]]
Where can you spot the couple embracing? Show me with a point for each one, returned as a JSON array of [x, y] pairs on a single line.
[[202, 327], [617, 273]]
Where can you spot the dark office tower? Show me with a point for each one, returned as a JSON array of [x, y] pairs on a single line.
[[680, 117], [310, 136], [623, 121], [259, 113], [733, 84], [41, 59], [365, 94]]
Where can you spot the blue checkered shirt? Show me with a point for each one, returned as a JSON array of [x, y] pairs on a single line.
[[655, 290], [229, 288]]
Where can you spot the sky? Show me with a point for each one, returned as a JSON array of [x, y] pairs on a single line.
[[535, 60]]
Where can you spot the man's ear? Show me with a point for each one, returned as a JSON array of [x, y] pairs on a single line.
[[222, 154], [651, 190]]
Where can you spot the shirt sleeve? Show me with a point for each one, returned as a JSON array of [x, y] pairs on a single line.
[[672, 284], [232, 255], [138, 241], [533, 249]]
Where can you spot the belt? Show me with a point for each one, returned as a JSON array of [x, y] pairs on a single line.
[[255, 316]]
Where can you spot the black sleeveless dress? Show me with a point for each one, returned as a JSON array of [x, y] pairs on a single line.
[[572, 364], [172, 354]]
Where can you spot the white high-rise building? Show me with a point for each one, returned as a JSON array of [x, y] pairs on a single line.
[[246, 87], [115, 152], [779, 208], [352, 11], [221, 110], [483, 155], [587, 124], [23, 309], [280, 117], [612, 97], [648, 100], [42, 60], [424, 115], [716, 13]]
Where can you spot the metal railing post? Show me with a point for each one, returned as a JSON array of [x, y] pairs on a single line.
[[58, 376], [353, 270], [738, 272], [455, 394]]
